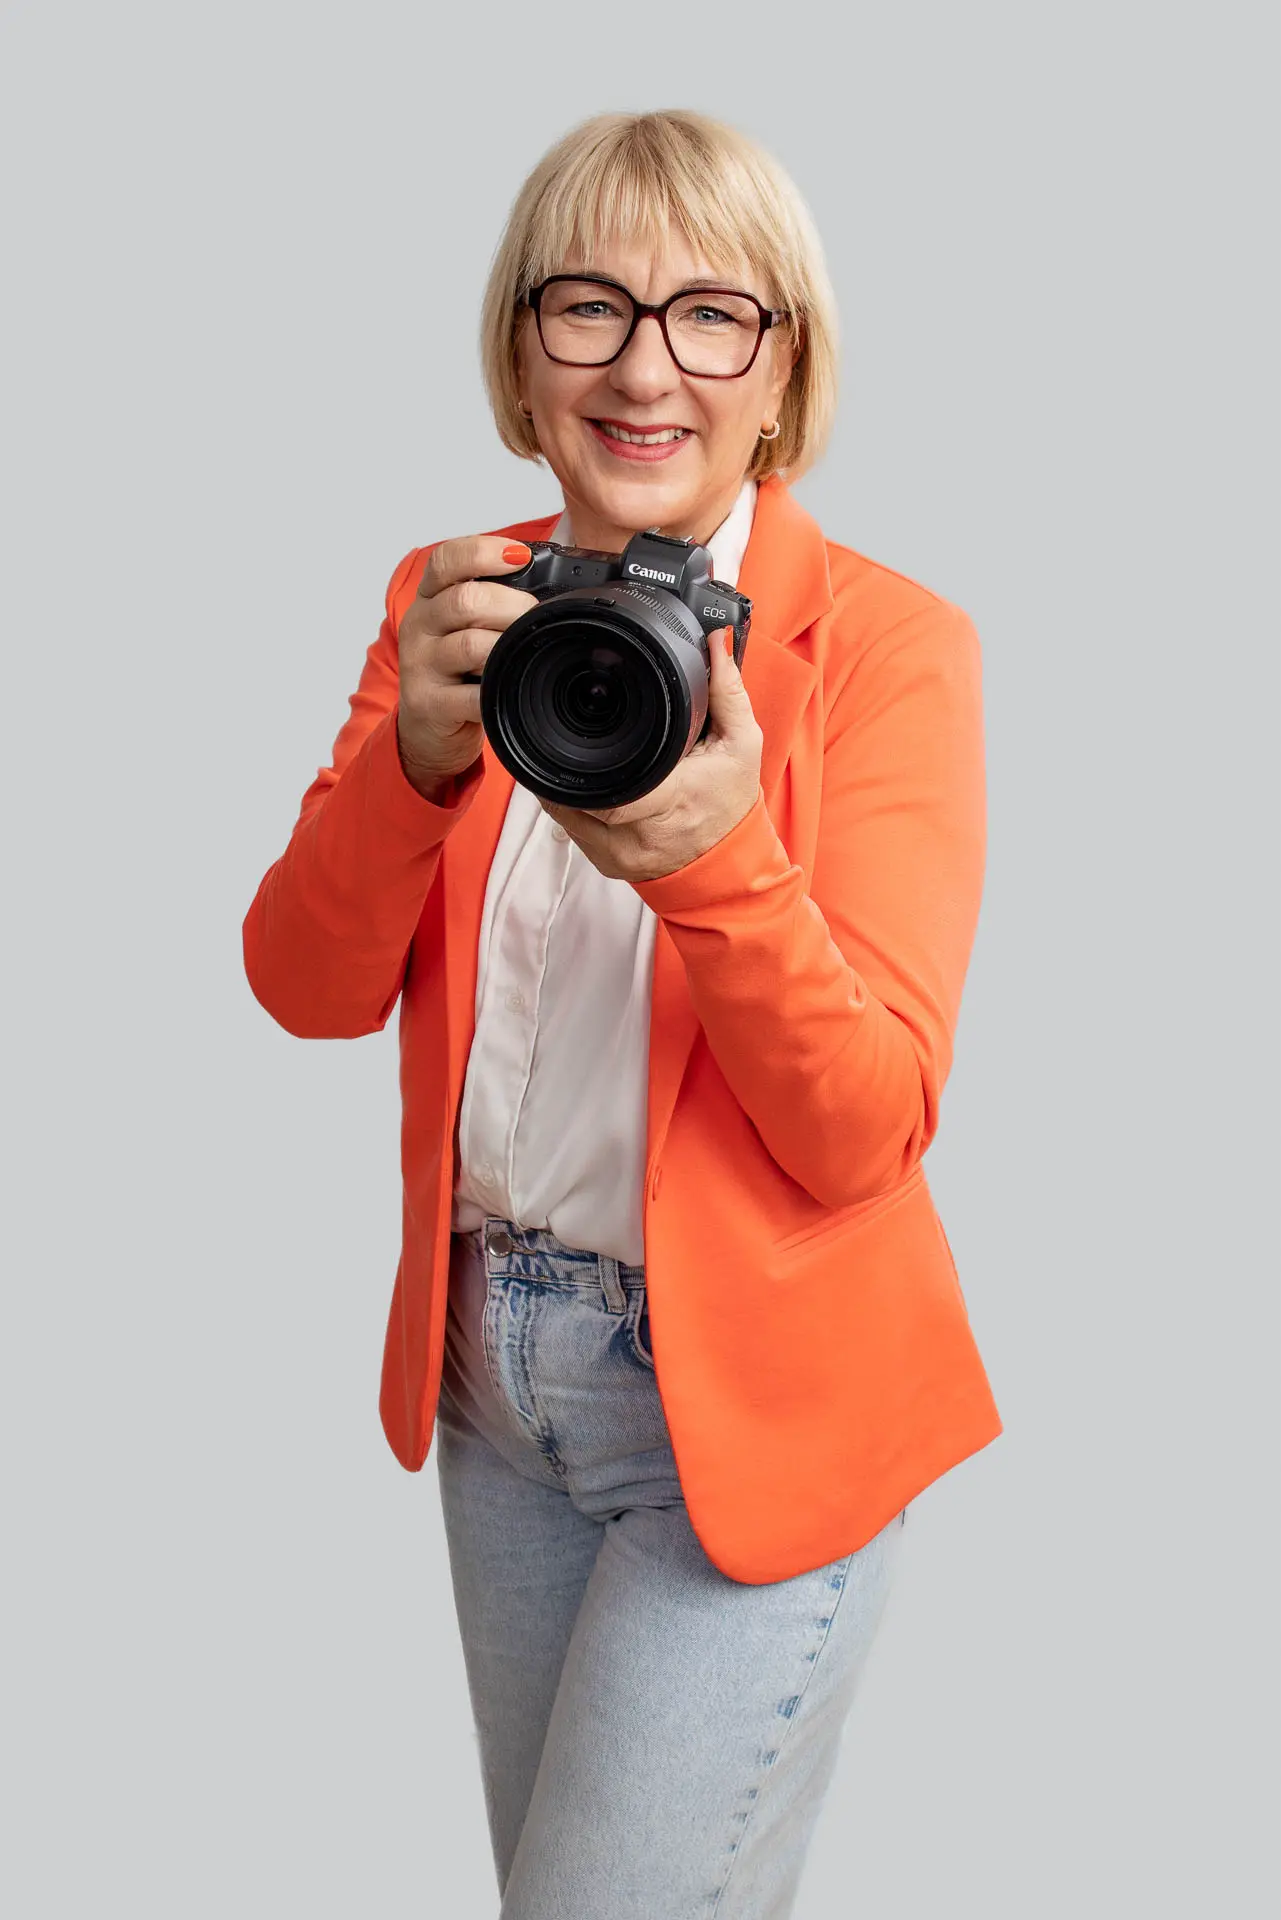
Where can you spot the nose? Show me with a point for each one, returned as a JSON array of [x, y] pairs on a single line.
[[646, 369]]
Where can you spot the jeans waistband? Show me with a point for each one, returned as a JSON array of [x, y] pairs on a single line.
[[537, 1254]]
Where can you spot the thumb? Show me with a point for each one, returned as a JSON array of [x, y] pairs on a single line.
[[726, 690]]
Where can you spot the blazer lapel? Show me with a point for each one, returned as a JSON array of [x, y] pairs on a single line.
[[785, 576]]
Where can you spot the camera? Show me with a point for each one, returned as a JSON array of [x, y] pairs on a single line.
[[592, 697]]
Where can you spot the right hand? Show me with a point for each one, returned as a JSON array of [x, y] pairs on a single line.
[[446, 636]]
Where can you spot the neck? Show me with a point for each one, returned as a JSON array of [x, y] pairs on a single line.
[[589, 528]]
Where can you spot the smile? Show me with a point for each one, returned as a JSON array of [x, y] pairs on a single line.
[[625, 444], [642, 439]]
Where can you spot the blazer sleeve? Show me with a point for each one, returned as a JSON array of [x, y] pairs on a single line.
[[327, 935], [831, 1011]]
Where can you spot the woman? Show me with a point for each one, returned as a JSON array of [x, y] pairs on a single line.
[[672, 1290]]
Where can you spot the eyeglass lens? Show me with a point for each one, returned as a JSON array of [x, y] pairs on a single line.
[[586, 321]]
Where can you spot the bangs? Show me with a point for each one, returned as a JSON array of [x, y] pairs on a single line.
[[642, 189]]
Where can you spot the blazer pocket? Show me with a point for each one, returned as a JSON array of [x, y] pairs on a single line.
[[837, 1221]]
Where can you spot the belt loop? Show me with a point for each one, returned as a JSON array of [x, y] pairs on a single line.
[[615, 1291]]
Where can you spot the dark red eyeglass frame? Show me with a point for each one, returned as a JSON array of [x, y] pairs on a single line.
[[769, 317]]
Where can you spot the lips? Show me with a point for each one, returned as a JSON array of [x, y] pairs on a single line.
[[636, 451]]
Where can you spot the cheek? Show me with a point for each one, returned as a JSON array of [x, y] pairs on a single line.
[[554, 389], [562, 397], [735, 418]]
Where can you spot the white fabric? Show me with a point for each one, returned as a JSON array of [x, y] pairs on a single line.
[[553, 1120]]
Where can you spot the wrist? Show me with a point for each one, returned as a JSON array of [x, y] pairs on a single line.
[[440, 789]]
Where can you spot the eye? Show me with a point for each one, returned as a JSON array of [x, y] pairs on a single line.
[[592, 309]]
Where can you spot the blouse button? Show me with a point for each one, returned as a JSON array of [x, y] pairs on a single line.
[[558, 832], [516, 1000]]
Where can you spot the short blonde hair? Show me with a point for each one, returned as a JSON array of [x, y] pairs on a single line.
[[637, 177]]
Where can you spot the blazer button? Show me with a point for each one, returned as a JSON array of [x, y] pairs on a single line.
[[501, 1243]]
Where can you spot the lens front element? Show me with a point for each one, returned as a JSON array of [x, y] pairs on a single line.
[[583, 703], [592, 699]]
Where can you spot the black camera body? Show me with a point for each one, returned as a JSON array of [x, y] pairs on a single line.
[[592, 697]]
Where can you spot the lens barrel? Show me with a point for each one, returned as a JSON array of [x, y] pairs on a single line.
[[591, 698]]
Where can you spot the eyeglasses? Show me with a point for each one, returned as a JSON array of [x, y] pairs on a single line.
[[714, 332]]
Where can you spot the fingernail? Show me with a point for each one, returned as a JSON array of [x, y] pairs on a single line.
[[517, 555]]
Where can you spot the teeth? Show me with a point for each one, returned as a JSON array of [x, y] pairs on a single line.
[[643, 439]]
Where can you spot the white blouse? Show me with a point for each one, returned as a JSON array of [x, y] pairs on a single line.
[[553, 1120]]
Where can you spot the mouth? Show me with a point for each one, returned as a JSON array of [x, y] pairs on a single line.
[[626, 441]]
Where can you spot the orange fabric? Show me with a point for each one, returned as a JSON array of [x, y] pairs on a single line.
[[812, 1343]]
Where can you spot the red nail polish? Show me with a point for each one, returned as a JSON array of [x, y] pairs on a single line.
[[517, 555]]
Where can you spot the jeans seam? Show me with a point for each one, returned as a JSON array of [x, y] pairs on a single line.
[[542, 1434], [792, 1719]]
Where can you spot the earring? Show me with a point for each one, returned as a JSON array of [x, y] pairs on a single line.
[[773, 433]]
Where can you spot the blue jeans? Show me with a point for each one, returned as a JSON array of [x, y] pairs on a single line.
[[655, 1738]]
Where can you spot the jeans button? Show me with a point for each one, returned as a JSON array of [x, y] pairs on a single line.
[[501, 1243]]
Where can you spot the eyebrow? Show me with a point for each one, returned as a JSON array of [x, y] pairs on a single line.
[[725, 281]]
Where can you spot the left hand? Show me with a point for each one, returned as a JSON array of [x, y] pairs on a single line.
[[706, 794]]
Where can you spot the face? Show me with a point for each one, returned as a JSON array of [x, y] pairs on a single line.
[[688, 491]]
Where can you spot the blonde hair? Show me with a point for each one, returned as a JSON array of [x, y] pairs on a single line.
[[636, 177]]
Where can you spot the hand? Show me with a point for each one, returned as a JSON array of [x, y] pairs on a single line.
[[703, 798], [445, 639]]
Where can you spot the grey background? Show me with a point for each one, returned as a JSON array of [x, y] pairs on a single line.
[[244, 247]]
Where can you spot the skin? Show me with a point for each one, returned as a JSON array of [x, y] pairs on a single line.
[[689, 495], [456, 616]]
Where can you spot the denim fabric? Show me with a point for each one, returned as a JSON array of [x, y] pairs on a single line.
[[655, 1738]]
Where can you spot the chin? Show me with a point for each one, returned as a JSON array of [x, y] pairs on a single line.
[[648, 494]]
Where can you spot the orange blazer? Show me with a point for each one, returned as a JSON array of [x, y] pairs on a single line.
[[811, 1341]]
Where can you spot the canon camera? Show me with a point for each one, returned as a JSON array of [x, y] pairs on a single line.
[[592, 697]]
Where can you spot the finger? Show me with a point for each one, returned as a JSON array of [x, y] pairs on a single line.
[[468, 556], [456, 705], [716, 664], [475, 603], [462, 651], [721, 694]]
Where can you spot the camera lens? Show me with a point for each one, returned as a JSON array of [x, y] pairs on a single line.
[[592, 701]]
